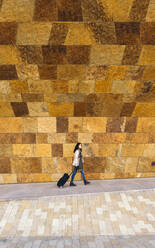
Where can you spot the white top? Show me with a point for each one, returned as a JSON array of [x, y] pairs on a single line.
[[76, 159]]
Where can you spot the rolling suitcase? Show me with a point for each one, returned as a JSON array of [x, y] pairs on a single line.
[[63, 180]]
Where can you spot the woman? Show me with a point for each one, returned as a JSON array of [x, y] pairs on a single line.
[[78, 164]]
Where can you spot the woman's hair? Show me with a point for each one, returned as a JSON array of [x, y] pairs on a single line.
[[77, 147]]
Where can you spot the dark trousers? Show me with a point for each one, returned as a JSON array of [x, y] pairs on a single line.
[[74, 173]]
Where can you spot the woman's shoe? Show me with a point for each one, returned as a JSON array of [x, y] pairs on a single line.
[[72, 184], [86, 182]]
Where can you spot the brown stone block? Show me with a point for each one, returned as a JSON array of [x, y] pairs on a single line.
[[115, 124], [61, 109], [127, 33], [57, 150], [145, 109], [6, 109], [85, 137], [94, 165], [147, 55], [18, 86], [149, 73], [149, 151], [41, 138], [49, 165], [128, 108], [116, 72], [139, 10], [79, 109], [29, 138], [5, 166], [141, 138], [131, 54], [75, 124], [30, 97], [50, 97], [68, 150], [64, 164], [60, 86], [54, 54], [144, 165], [39, 109], [42, 150], [23, 150], [58, 33], [132, 150], [145, 91], [123, 87], [90, 150], [20, 108], [40, 86], [78, 54], [45, 10], [13, 97], [151, 137], [146, 125], [10, 138], [62, 124], [109, 138], [134, 72], [71, 97], [8, 72], [31, 54], [46, 124], [8, 33], [6, 150], [109, 150], [86, 86], [26, 165], [56, 138], [147, 30], [30, 124], [11, 125], [70, 11], [47, 71], [131, 124], [71, 137], [94, 72], [94, 124], [71, 72]]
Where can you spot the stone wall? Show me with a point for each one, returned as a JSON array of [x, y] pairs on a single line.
[[76, 71]]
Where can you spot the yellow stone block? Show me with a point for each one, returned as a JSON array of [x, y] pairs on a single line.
[[85, 36], [94, 124], [9, 55], [40, 177], [42, 150], [58, 138], [150, 16], [131, 165], [27, 72], [46, 124], [23, 150], [5, 87], [149, 151], [17, 11], [11, 125], [49, 165], [40, 86], [147, 56], [146, 109], [134, 150], [19, 86], [13, 97], [86, 86], [60, 86], [108, 150], [90, 150], [61, 109], [38, 108], [117, 10], [71, 72], [123, 87], [119, 165], [149, 73], [106, 54], [6, 109], [73, 86], [75, 124], [68, 150], [116, 72], [85, 137], [146, 125], [8, 178], [5, 150], [33, 33], [30, 124], [64, 164], [103, 86], [50, 97]]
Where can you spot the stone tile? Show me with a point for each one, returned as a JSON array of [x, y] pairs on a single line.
[[40, 86], [61, 109], [54, 54], [144, 165], [146, 124], [150, 12], [147, 31], [45, 10], [60, 86], [151, 137], [30, 124], [23, 150], [68, 150], [9, 55], [116, 72], [131, 54], [108, 150], [27, 72], [8, 72], [57, 150], [46, 124], [103, 86], [9, 178], [149, 151], [106, 54], [141, 138], [56, 138], [62, 124], [120, 165], [58, 33], [29, 138], [33, 34], [5, 87], [41, 138], [10, 138], [131, 124], [71, 11], [115, 124], [26, 165], [5, 166], [149, 73], [71, 72], [89, 150], [144, 91], [31, 54], [86, 86], [85, 137], [8, 33], [42, 150], [47, 71], [128, 108], [134, 150], [104, 33], [127, 33], [20, 108], [134, 72], [49, 165], [11, 125], [147, 55], [71, 137], [94, 165], [94, 124], [144, 109], [18, 86], [109, 138], [30, 97], [79, 109], [138, 11], [39, 109], [70, 97], [75, 124], [77, 54], [94, 72], [123, 87]]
